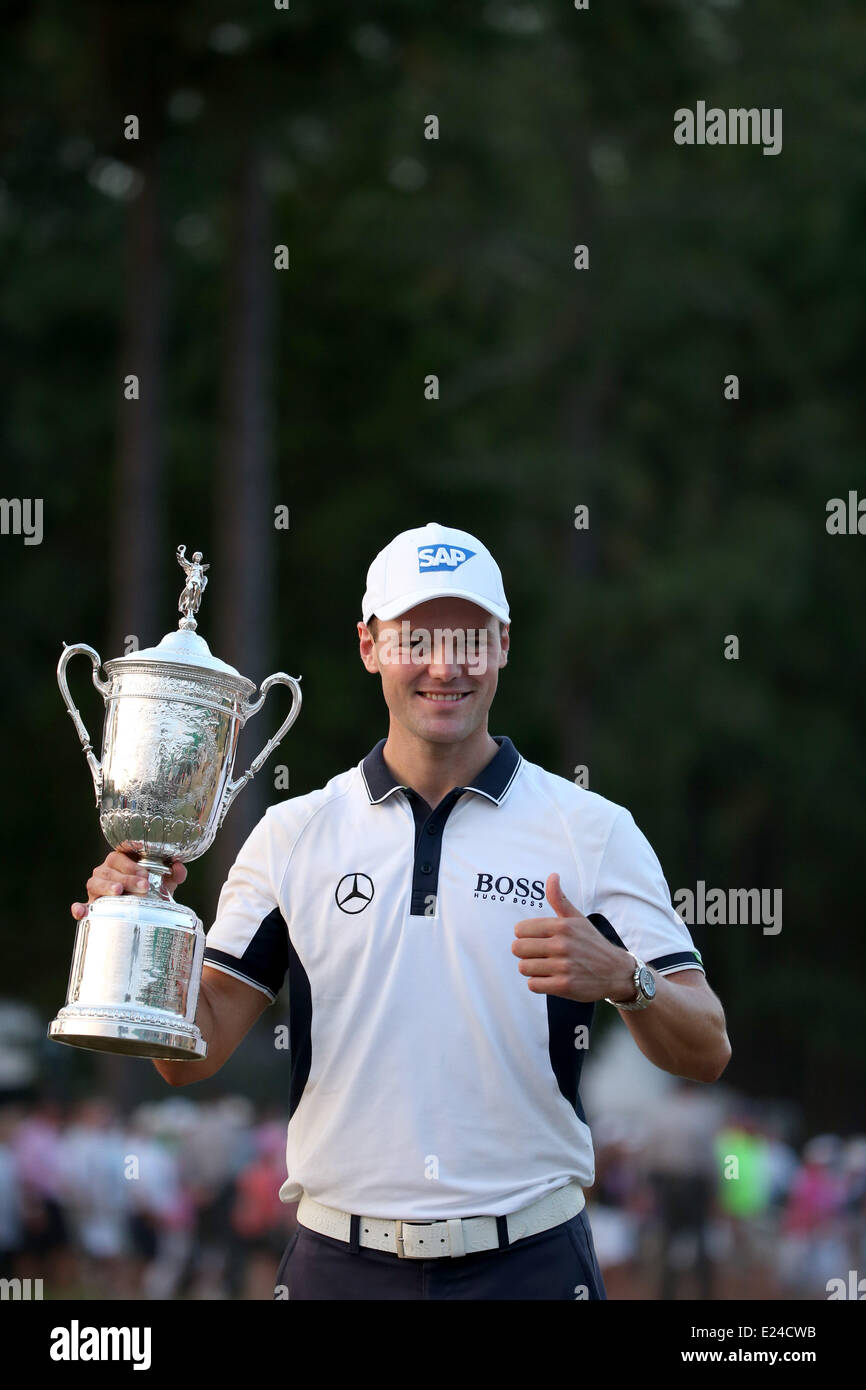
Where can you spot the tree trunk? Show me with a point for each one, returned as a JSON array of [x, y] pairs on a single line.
[[139, 562], [243, 571]]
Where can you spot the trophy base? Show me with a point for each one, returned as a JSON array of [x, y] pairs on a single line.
[[134, 982], [131, 1038]]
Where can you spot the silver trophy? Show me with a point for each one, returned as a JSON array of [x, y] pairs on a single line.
[[173, 716]]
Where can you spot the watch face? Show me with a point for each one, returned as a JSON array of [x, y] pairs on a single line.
[[647, 983]]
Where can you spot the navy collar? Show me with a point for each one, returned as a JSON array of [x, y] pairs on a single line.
[[492, 781]]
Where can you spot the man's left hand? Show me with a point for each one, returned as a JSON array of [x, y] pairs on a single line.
[[568, 956]]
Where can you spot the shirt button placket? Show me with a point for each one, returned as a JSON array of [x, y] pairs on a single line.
[[426, 865]]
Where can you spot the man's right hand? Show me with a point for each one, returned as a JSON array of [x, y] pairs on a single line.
[[121, 873], [227, 1006]]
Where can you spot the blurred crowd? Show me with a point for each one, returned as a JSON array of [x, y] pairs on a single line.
[[179, 1199], [708, 1199]]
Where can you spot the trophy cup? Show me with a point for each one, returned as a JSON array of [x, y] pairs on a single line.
[[173, 716]]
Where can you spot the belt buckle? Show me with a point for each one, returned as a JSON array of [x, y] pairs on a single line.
[[399, 1238]]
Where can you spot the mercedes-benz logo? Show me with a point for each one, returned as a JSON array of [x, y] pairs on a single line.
[[354, 892]]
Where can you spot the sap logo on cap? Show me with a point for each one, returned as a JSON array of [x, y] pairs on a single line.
[[442, 557]]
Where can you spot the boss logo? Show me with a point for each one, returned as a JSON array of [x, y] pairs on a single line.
[[442, 557], [518, 889]]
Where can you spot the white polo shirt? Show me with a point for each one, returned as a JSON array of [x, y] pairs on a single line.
[[427, 1080]]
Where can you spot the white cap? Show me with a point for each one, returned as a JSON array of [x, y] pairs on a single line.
[[433, 561]]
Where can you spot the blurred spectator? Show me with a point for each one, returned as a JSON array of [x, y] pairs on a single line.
[[11, 1203], [261, 1223], [617, 1205], [744, 1192], [813, 1248], [782, 1167], [854, 1169], [212, 1155], [157, 1206], [679, 1156], [37, 1146], [96, 1193]]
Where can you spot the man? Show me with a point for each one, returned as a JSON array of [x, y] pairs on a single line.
[[448, 914]]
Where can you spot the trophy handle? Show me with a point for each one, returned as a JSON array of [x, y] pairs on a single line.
[[279, 678], [102, 686]]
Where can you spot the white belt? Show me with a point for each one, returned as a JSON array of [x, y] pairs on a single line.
[[427, 1240]]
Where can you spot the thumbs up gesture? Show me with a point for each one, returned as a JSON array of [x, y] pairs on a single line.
[[566, 955]]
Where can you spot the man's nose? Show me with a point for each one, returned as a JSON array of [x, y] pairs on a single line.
[[443, 664], [441, 670]]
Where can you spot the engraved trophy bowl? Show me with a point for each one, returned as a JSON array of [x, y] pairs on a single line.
[[174, 713]]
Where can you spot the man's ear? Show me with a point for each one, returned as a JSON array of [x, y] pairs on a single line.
[[504, 642], [368, 648]]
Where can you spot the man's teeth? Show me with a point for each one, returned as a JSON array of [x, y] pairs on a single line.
[[428, 696]]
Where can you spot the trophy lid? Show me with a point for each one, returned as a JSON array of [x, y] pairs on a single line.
[[184, 647]]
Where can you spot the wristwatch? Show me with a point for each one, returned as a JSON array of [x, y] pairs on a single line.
[[645, 985]]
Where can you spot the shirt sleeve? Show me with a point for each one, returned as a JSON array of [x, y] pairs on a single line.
[[249, 937], [632, 894]]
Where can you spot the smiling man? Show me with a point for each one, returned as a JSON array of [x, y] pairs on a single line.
[[448, 915]]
